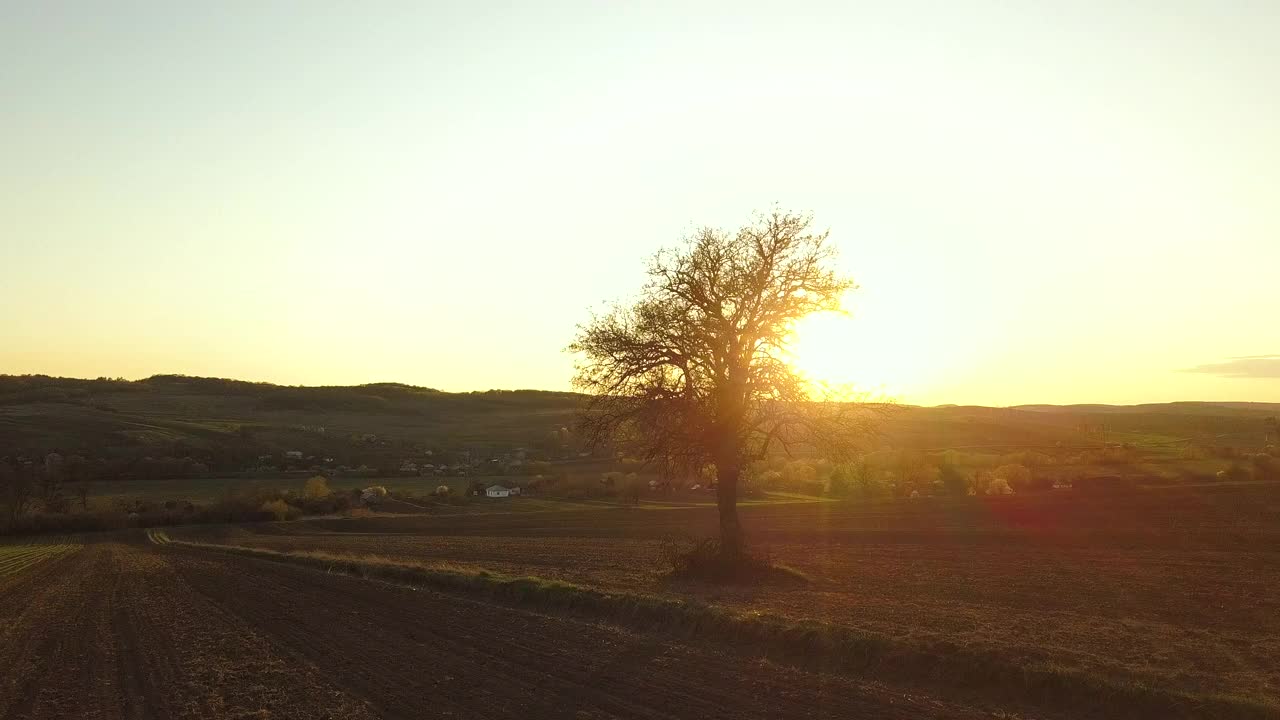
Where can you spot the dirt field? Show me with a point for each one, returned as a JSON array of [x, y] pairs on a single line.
[[1178, 594], [130, 630]]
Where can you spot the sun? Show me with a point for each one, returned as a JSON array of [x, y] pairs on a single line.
[[872, 351]]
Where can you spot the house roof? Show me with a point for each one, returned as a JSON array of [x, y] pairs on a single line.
[[497, 487]]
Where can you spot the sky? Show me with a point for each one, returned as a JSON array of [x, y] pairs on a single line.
[[1041, 202]]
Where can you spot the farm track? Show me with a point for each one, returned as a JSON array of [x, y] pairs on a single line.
[[144, 631]]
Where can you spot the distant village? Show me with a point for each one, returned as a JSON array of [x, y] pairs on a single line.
[[517, 461]]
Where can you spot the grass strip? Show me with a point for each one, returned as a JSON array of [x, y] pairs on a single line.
[[977, 672]]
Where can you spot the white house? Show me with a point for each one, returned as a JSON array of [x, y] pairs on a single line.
[[293, 454], [497, 491]]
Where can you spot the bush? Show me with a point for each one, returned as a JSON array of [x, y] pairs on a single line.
[[998, 486], [1265, 467], [631, 488], [65, 524], [1236, 472], [770, 480], [1016, 476], [953, 481], [799, 475], [331, 504], [316, 488], [279, 509], [866, 482]]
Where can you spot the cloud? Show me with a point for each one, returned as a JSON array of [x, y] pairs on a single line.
[[1248, 366]]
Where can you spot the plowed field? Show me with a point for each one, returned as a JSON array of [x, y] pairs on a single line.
[[1179, 592], [133, 630]]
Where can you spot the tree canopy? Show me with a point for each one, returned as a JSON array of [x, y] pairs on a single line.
[[697, 370]]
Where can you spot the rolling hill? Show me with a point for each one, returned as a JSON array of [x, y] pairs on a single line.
[[230, 424]]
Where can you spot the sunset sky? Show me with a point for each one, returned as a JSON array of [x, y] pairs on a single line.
[[1053, 202]]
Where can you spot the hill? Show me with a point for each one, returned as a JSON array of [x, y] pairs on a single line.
[[231, 426]]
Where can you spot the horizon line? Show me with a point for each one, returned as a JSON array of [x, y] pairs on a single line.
[[573, 392]]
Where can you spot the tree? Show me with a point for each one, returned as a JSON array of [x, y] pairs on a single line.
[[1017, 476], [51, 480], [631, 488], [954, 481], [696, 371], [316, 488], [841, 480], [16, 489], [915, 473]]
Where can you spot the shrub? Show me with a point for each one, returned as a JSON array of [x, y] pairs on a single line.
[[325, 505], [1016, 476], [998, 486], [953, 481], [278, 509], [373, 494], [1265, 466], [316, 487], [839, 481], [799, 475], [1236, 472], [867, 482], [771, 479], [631, 487]]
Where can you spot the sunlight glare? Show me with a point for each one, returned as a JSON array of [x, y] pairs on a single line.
[[885, 354]]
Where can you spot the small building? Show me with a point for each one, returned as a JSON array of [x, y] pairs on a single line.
[[373, 495], [497, 491], [293, 454]]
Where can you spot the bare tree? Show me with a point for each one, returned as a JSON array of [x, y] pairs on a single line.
[[15, 489], [696, 371], [51, 479]]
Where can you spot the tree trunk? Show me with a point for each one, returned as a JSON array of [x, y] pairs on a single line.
[[731, 541]]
